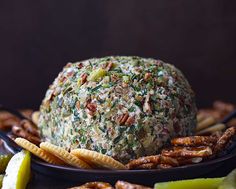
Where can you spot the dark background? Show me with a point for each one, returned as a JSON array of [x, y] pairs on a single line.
[[37, 38]]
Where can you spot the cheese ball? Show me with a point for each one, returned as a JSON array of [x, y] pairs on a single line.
[[124, 107]]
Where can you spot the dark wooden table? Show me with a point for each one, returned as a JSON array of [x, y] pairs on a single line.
[[39, 181]]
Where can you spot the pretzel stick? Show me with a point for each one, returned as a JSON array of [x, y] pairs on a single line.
[[143, 160], [206, 123], [200, 117], [193, 141], [212, 129], [224, 139], [188, 152]]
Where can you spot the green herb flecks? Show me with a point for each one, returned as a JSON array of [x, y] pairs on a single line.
[[83, 139], [117, 139], [131, 109], [95, 88], [133, 77], [74, 140], [85, 115], [114, 103], [103, 151], [138, 103], [136, 88]]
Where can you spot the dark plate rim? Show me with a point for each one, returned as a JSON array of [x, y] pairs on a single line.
[[104, 171]]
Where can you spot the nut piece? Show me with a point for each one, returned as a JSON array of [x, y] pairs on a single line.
[[147, 76], [147, 107], [129, 121], [92, 107], [77, 105], [109, 66], [83, 78], [122, 119]]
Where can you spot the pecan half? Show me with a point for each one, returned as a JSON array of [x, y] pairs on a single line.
[[83, 78]]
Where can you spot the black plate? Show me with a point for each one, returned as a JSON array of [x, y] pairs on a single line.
[[136, 176], [146, 177]]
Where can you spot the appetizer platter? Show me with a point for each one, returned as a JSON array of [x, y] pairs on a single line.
[[121, 118]]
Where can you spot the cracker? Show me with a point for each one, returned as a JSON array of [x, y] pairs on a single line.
[[49, 158], [64, 155], [97, 159]]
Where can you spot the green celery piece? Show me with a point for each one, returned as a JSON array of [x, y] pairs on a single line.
[[201, 183], [1, 178], [229, 182], [97, 74], [4, 159]]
